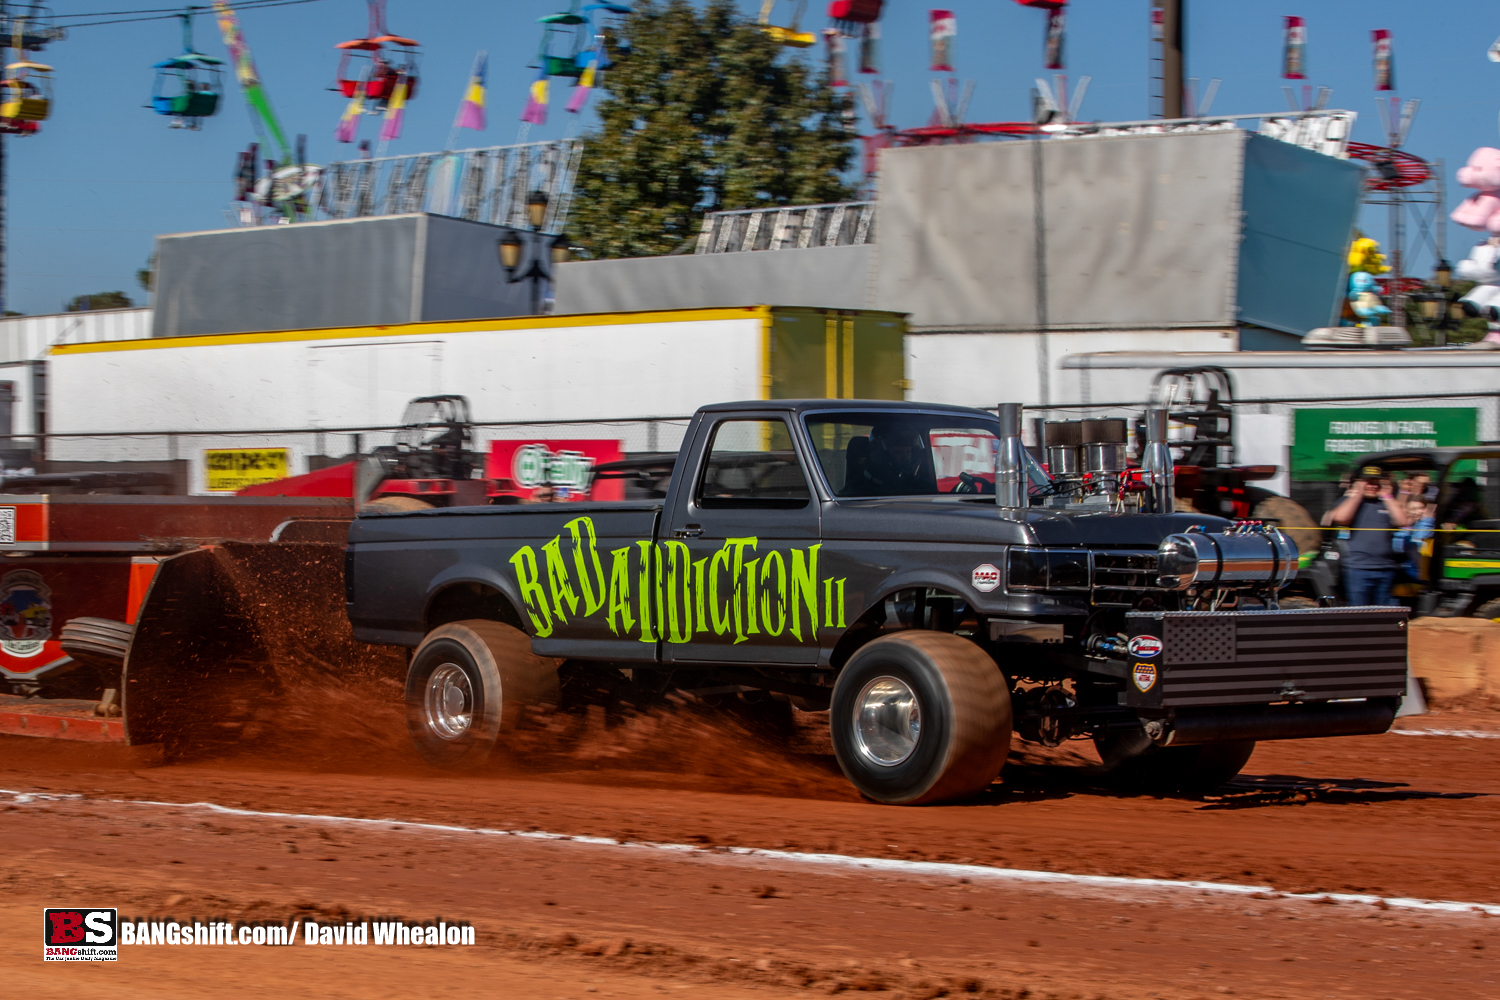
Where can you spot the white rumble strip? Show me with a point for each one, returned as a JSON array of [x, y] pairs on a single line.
[[793, 858], [1466, 734]]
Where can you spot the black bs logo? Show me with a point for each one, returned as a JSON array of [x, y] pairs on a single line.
[[77, 933]]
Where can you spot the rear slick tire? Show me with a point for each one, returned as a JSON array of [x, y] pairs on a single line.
[[467, 687], [936, 719]]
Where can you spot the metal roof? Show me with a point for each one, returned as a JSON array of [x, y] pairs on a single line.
[[860, 405], [1427, 458]]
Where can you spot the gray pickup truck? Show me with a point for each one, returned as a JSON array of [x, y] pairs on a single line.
[[910, 569]]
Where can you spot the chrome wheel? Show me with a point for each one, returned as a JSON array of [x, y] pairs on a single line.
[[449, 702], [887, 721]]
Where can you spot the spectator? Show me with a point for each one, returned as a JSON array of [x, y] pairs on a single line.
[[1371, 513], [1409, 540], [1414, 486]]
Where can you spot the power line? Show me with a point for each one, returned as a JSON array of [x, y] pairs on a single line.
[[155, 10], [161, 15]]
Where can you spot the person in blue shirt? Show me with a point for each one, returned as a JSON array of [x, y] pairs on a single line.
[[1372, 513], [1407, 542]]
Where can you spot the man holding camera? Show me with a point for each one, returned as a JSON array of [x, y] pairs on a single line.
[[1372, 512]]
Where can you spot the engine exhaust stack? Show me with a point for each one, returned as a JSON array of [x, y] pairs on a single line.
[[1010, 460], [1158, 461]]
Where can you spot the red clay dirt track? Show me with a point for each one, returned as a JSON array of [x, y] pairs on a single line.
[[1385, 816]]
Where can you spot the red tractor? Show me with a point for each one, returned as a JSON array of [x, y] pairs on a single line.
[[431, 464]]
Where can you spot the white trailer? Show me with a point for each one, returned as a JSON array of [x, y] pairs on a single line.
[[310, 391]]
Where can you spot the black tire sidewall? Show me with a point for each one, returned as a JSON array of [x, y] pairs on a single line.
[[472, 747], [912, 778]]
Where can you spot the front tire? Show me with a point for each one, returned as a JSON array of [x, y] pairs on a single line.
[[466, 688], [920, 717], [1134, 763]]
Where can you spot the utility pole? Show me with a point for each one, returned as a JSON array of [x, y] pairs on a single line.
[[1172, 57], [2, 224]]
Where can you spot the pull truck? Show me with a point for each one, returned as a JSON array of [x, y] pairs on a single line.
[[907, 567]]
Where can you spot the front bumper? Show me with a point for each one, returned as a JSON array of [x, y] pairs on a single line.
[[1207, 659]]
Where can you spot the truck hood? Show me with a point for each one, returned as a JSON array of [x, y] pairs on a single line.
[[952, 520]]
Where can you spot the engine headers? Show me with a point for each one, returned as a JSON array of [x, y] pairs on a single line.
[[1249, 552]]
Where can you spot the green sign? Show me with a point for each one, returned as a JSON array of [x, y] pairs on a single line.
[[1326, 442]]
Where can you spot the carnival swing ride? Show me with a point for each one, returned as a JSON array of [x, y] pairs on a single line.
[[288, 180], [792, 34], [25, 91], [378, 74], [574, 46], [26, 86], [187, 86]]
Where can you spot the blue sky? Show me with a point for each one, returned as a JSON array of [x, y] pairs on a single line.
[[105, 175]]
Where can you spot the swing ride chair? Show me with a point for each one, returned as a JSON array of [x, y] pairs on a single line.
[[792, 35], [27, 92], [187, 86], [367, 62], [569, 40], [29, 26]]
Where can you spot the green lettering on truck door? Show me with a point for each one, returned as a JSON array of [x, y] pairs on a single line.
[[531, 590]]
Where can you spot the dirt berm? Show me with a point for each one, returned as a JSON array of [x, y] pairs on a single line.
[[1457, 660]]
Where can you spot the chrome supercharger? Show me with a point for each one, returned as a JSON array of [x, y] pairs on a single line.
[[1249, 552]]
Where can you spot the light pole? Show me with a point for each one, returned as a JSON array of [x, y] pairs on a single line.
[[528, 255], [1439, 305]]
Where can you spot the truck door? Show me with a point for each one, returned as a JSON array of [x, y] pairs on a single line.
[[739, 548]]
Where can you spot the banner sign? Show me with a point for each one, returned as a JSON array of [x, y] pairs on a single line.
[[226, 470], [944, 28], [1385, 60], [523, 468], [1326, 442], [1292, 67], [1056, 28], [834, 39]]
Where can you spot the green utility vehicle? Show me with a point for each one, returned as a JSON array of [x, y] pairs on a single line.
[[1459, 564]]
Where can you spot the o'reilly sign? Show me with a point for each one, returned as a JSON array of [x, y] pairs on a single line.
[[1327, 441]]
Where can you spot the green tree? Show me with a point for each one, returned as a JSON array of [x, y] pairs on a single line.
[[705, 112], [147, 275], [99, 300]]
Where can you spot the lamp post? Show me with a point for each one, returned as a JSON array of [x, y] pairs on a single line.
[[528, 255], [1439, 307]]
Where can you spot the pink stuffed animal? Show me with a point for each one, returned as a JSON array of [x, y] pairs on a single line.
[[1482, 172], [1479, 211]]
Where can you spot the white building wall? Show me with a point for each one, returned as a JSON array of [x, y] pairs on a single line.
[[27, 338], [581, 377]]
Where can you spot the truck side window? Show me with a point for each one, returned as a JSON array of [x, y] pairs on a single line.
[[751, 463]]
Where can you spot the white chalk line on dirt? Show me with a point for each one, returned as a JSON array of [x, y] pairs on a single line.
[[1466, 734], [893, 866]]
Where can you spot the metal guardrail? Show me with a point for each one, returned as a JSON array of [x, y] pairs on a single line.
[[482, 185], [784, 227]]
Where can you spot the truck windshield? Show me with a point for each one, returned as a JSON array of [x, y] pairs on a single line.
[[900, 453]]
